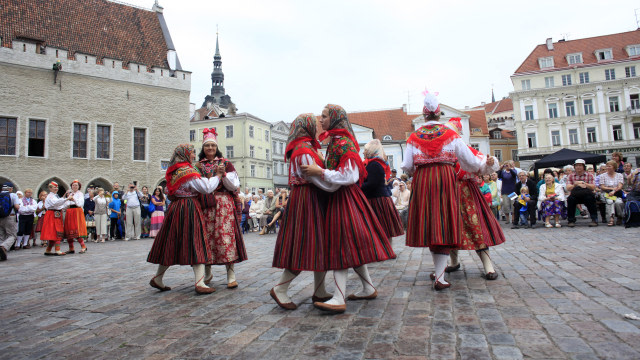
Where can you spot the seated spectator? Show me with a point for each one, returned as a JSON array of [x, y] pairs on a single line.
[[531, 203], [610, 185], [268, 208], [544, 173], [581, 185], [626, 187], [402, 202], [633, 179], [246, 205], [255, 211], [281, 207], [551, 200], [525, 202]]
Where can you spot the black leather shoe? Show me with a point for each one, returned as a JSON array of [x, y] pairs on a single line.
[[450, 269], [3, 254]]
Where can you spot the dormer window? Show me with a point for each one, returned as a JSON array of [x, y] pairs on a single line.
[[546, 62], [386, 138], [633, 50], [574, 58], [604, 54], [497, 135]]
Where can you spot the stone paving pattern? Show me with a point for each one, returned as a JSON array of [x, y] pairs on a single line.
[[561, 294]]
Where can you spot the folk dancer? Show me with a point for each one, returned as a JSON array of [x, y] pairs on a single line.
[[53, 226], [75, 225]]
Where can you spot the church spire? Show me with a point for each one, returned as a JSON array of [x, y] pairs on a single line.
[[493, 97], [217, 95]]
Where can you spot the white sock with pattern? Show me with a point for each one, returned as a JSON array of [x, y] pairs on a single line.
[[340, 279], [367, 286], [283, 286], [318, 284], [440, 263]]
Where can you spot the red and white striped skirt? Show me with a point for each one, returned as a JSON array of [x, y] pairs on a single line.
[[181, 239], [301, 242], [52, 226], [480, 227], [354, 234], [387, 215], [434, 214], [157, 218]]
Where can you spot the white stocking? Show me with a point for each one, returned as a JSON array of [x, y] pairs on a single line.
[[18, 240], [318, 284], [454, 257], [207, 273], [198, 271], [440, 263], [486, 261], [231, 274], [340, 279], [367, 286], [283, 286], [159, 275]]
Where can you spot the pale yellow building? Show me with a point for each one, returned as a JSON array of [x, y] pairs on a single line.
[[581, 94]]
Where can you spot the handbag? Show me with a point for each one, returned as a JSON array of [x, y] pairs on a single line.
[[151, 208]]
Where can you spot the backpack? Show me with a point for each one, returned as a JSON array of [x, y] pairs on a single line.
[[6, 204], [632, 214]]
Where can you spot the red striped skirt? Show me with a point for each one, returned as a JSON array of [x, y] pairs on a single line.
[[181, 239], [480, 227], [434, 215], [52, 227], [301, 243], [354, 234], [75, 225], [387, 215]]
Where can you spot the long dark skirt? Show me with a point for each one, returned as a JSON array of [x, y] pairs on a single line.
[[181, 239], [387, 215]]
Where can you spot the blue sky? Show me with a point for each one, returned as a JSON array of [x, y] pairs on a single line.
[[283, 58]]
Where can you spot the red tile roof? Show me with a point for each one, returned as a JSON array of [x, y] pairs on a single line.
[[508, 134], [498, 106], [587, 46], [477, 120], [96, 27], [393, 122]]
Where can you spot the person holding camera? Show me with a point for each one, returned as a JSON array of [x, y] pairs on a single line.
[[133, 216]]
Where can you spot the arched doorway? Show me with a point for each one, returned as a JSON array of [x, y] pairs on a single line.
[[162, 183], [62, 186], [4, 180], [102, 183]]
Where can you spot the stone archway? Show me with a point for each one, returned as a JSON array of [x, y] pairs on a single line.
[[102, 183], [44, 186]]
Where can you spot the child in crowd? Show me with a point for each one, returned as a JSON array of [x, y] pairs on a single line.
[[524, 197], [115, 206]]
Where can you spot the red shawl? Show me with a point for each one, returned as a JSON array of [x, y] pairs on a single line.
[[343, 149], [178, 174], [340, 132], [385, 166], [430, 139]]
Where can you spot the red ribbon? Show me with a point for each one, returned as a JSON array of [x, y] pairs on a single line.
[[211, 130]]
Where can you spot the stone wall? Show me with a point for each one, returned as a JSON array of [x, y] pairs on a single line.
[[121, 98]]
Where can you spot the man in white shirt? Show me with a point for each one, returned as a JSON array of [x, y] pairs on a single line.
[[9, 223], [132, 199]]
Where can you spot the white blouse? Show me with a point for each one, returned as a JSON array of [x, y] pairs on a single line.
[[78, 199], [306, 159], [54, 202]]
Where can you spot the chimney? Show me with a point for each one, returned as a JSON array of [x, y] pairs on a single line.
[[157, 8], [549, 44], [404, 107], [483, 103]]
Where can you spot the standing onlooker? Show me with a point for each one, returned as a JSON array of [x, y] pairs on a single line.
[[25, 219], [617, 157], [402, 203], [532, 188], [495, 196], [116, 188], [145, 200], [89, 211], [391, 180], [9, 205], [508, 176], [115, 206], [40, 212], [610, 185], [133, 215], [581, 185], [157, 217], [100, 215]]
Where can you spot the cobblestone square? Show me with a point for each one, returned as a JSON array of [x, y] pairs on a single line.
[[561, 294]]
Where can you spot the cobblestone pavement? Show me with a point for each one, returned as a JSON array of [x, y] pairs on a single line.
[[562, 293]]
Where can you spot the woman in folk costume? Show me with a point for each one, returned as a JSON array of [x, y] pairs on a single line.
[[75, 225], [181, 239], [221, 218], [376, 191], [354, 234], [53, 226], [301, 245], [434, 215], [480, 229], [40, 213]]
